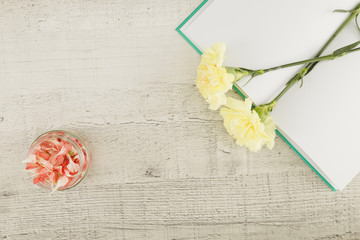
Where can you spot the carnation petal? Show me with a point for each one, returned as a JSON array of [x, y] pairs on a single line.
[[216, 100], [245, 125], [212, 80]]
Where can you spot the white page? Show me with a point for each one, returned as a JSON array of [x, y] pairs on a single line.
[[326, 114], [261, 34]]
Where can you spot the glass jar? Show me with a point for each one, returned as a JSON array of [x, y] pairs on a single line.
[[58, 160]]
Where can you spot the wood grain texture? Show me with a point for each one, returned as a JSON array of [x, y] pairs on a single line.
[[117, 73]]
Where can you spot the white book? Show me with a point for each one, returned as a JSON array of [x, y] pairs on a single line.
[[320, 121]]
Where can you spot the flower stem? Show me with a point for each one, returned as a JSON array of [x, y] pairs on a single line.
[[305, 70], [313, 60], [353, 15], [240, 72], [287, 87], [308, 67]]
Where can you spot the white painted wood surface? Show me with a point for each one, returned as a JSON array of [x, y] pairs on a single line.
[[164, 168]]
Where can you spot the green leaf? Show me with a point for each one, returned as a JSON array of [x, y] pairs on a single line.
[[264, 110], [254, 74], [302, 74], [357, 22], [343, 50]]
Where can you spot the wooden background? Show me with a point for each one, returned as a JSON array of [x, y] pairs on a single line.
[[164, 167]]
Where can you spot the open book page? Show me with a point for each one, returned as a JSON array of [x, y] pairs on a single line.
[[261, 34], [322, 117]]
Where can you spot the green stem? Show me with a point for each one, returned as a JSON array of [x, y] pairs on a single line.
[[287, 87], [240, 72], [353, 14], [304, 71], [313, 60], [311, 65]]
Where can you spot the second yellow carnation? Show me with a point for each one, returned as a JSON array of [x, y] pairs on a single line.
[[245, 125]]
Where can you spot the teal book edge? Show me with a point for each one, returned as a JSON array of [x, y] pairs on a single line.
[[178, 29]]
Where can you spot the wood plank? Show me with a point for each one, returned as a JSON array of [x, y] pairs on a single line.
[[164, 167]]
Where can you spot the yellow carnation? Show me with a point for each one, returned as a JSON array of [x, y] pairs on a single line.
[[212, 80], [246, 126]]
